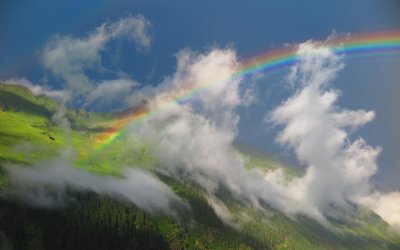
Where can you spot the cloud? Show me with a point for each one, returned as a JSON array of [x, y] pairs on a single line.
[[338, 171], [222, 211], [193, 140], [69, 58], [205, 82], [387, 206], [39, 89], [141, 96], [139, 187], [111, 92], [191, 147], [135, 28]]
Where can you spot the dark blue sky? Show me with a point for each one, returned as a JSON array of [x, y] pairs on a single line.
[[251, 27]]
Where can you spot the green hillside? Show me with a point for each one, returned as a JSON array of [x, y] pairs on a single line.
[[30, 133]]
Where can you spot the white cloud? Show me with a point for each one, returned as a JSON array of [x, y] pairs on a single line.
[[387, 206], [193, 140], [141, 96], [134, 27], [39, 89], [338, 170], [212, 73], [139, 187], [69, 57], [191, 147], [110, 92]]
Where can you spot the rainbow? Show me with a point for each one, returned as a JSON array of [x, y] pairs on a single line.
[[370, 44]]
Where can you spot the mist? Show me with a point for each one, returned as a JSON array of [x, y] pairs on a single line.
[[45, 185], [194, 140]]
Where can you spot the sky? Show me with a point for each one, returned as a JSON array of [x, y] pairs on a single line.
[[30, 28]]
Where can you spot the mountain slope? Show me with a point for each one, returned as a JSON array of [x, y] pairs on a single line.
[[89, 221]]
